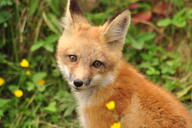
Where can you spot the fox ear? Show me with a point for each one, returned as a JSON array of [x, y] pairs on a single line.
[[73, 15], [116, 28]]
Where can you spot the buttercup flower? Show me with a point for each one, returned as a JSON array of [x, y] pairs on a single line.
[[2, 81], [116, 125], [41, 82], [18, 93], [28, 72], [24, 63], [110, 105]]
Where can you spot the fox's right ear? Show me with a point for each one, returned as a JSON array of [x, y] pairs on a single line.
[[73, 15]]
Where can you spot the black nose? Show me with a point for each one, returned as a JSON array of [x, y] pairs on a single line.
[[78, 83]]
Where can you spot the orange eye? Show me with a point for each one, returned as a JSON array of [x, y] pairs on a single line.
[[97, 64], [73, 58]]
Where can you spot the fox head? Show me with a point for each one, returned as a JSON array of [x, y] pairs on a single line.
[[87, 55]]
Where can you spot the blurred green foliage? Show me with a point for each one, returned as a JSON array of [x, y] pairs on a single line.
[[159, 45]]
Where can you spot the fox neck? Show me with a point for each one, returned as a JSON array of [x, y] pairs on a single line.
[[83, 96]]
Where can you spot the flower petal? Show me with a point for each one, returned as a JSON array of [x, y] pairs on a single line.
[[18, 93], [110, 105], [24, 63]]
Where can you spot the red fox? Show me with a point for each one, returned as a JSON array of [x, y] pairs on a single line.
[[90, 58]]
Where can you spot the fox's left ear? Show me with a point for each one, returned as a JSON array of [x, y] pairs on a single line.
[[73, 15], [116, 28]]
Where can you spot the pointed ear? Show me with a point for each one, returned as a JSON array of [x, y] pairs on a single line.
[[116, 28], [73, 15]]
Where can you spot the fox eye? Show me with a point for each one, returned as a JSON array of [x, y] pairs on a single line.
[[73, 58], [97, 64]]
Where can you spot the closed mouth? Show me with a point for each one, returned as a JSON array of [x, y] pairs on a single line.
[[78, 89]]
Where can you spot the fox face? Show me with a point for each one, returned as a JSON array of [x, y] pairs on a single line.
[[88, 55], [86, 64]]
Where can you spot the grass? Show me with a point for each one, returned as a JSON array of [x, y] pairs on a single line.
[[159, 45]]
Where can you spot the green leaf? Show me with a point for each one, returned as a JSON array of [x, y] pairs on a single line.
[[3, 102], [167, 70], [146, 36], [51, 107], [55, 22], [139, 40], [145, 65], [164, 23], [180, 18], [41, 88], [56, 73], [171, 84], [136, 44], [189, 14], [37, 45], [13, 87], [52, 38], [180, 14], [49, 43], [39, 76], [6, 3], [33, 7], [184, 91], [145, 6], [4, 16], [54, 4], [52, 22], [30, 86], [97, 18], [152, 71], [1, 113], [177, 3], [69, 110], [49, 47], [181, 22]]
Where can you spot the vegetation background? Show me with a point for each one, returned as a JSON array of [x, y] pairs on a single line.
[[32, 91]]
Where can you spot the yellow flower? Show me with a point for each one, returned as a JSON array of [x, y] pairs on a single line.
[[116, 125], [18, 93], [2, 81], [28, 72], [41, 82], [110, 105], [24, 63]]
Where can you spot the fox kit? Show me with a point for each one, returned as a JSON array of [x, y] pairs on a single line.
[[90, 59]]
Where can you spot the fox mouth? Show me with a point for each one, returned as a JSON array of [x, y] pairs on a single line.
[[78, 89], [84, 87]]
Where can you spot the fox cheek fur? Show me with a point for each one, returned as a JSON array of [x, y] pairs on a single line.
[[89, 52]]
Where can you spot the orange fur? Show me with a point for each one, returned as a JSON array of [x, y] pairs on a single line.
[[139, 102]]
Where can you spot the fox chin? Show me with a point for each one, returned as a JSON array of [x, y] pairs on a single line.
[[90, 59]]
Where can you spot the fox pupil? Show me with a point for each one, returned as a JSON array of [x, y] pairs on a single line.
[[97, 64], [73, 58]]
